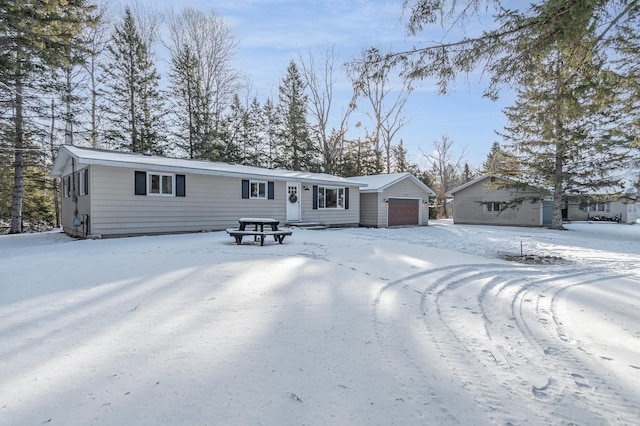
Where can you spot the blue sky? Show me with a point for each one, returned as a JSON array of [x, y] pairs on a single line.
[[272, 32]]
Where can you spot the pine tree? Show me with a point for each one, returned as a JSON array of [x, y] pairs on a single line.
[[559, 129], [499, 161], [191, 119], [203, 83], [511, 46], [135, 109], [272, 120], [35, 37], [297, 148], [402, 163], [627, 82], [360, 157], [246, 123]]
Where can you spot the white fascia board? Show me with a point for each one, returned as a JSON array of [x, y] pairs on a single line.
[[207, 168]]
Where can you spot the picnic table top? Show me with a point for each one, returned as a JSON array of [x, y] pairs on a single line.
[[258, 220]]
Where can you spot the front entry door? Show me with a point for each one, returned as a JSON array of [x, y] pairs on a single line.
[[293, 201]]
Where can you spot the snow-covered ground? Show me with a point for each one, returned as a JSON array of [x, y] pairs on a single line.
[[404, 326]]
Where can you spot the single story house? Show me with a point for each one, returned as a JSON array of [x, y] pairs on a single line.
[[393, 200], [495, 200], [604, 207], [110, 194]]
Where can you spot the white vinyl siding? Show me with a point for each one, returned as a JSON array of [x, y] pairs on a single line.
[[331, 217], [211, 203]]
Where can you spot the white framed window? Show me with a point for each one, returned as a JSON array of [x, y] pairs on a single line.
[[65, 187], [330, 197], [258, 189], [493, 207], [160, 184], [599, 207], [83, 182]]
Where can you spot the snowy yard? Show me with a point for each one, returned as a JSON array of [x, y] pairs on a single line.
[[404, 326]]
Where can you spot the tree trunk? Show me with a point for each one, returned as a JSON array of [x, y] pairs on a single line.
[[556, 215], [18, 171], [54, 182]]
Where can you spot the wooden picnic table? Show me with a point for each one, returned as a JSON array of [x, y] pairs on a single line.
[[258, 222], [258, 234]]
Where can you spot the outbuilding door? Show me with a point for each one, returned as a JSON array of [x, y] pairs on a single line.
[[403, 211], [547, 213]]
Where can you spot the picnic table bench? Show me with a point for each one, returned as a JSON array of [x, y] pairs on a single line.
[[258, 234]]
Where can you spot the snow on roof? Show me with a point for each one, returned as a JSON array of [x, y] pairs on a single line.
[[480, 178], [89, 156], [378, 183]]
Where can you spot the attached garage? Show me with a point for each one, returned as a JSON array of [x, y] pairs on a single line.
[[404, 211], [398, 199]]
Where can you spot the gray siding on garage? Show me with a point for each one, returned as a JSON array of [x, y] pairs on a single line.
[[470, 206], [407, 189], [371, 210], [374, 209]]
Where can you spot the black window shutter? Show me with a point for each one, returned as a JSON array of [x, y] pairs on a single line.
[[245, 188], [86, 181], [270, 190], [141, 183], [346, 198], [180, 186], [315, 197]]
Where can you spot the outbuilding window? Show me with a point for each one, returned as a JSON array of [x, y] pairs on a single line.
[[493, 207]]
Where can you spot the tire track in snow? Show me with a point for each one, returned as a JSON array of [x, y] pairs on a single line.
[[582, 382], [494, 330], [395, 305], [454, 316]]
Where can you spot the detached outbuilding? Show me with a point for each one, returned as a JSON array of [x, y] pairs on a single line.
[[393, 200], [623, 209], [495, 200], [109, 194]]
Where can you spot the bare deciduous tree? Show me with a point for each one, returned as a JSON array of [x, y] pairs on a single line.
[[96, 38], [445, 168], [387, 102], [318, 73]]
